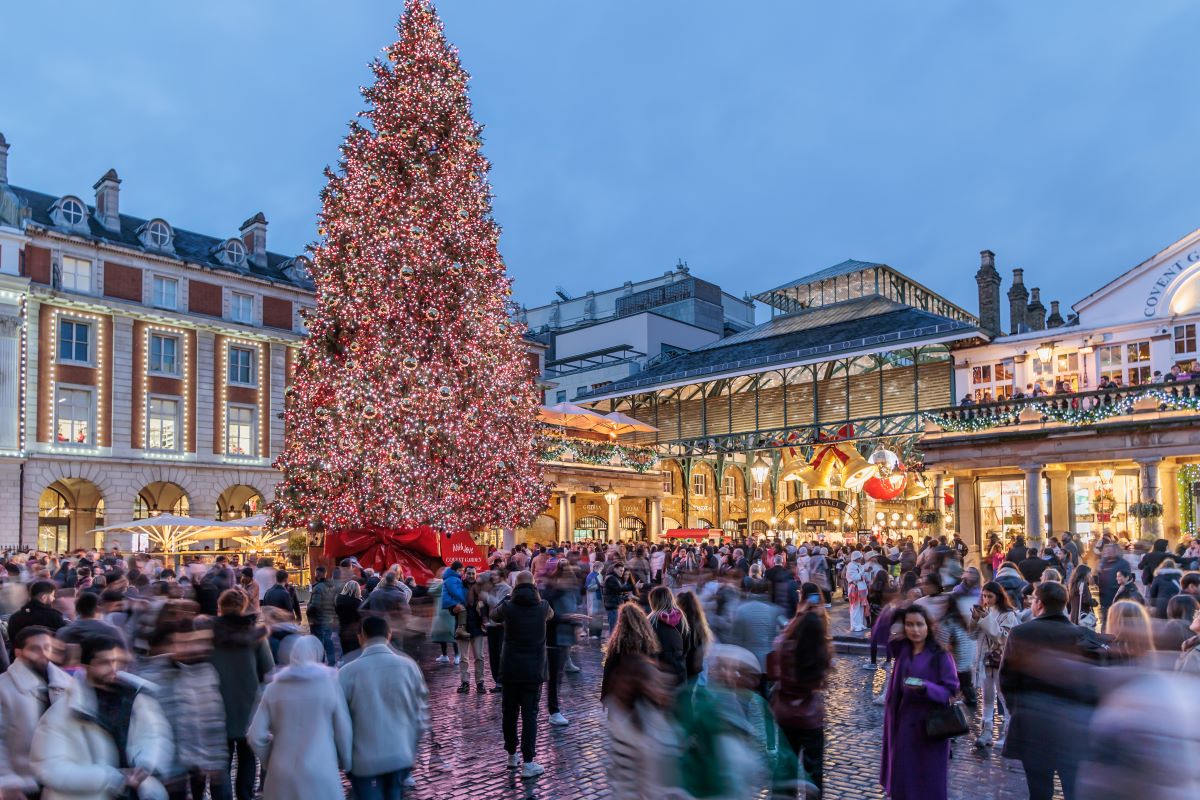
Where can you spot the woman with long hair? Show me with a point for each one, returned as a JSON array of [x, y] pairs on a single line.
[[698, 636], [1130, 634], [799, 666], [914, 766], [671, 629], [994, 618], [1080, 602], [635, 694]]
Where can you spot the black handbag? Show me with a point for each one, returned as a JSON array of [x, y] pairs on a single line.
[[948, 721]]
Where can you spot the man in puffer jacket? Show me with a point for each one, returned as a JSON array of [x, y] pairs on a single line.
[[454, 598], [1013, 584], [1166, 584]]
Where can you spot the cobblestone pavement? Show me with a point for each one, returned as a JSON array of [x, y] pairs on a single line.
[[466, 757]]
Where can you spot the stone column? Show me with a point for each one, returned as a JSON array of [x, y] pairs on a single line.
[[510, 539], [965, 505], [566, 523], [10, 383], [614, 517], [1169, 485], [1060, 501], [1150, 528], [655, 527], [1033, 503], [939, 502]]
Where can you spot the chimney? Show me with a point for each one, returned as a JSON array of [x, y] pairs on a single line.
[[108, 201], [988, 281], [1035, 312], [1018, 298], [3, 160], [254, 236], [1055, 319]]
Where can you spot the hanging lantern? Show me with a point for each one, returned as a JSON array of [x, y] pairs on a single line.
[[760, 470]]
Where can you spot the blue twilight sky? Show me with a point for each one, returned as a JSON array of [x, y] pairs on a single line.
[[757, 140]]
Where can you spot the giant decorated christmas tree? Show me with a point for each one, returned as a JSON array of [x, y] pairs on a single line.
[[413, 402]]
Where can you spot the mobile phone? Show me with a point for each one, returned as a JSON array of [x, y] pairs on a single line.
[[913, 682], [813, 598]]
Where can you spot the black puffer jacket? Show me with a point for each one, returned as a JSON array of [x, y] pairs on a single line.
[[672, 655], [1165, 586], [242, 659], [524, 614]]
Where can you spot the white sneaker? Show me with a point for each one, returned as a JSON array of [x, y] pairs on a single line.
[[514, 760], [870, 666], [410, 781], [558, 719], [531, 770], [457, 659], [442, 659], [572, 667]]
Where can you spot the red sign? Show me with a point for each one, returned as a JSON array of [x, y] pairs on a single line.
[[461, 547]]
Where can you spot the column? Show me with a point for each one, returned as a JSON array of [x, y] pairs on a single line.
[[1033, 503], [655, 522], [1169, 485], [965, 507], [566, 522], [510, 539], [939, 502], [1151, 528], [614, 517], [1060, 500]]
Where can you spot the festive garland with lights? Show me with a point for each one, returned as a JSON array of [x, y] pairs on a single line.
[[1069, 416], [1188, 474], [587, 451]]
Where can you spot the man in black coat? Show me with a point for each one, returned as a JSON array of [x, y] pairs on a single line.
[[523, 668], [1049, 702], [37, 611], [1018, 552]]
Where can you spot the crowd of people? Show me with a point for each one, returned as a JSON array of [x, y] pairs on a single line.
[[131, 678]]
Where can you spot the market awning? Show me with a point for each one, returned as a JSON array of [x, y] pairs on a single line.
[[571, 416], [617, 423], [168, 531]]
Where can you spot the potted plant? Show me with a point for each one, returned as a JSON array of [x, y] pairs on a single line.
[[929, 516], [1147, 510], [297, 547]]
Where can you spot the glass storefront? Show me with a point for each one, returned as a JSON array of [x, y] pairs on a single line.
[[1001, 508], [1099, 506]]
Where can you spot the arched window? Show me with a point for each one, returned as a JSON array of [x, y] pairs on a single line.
[[591, 528], [633, 527], [758, 527], [703, 523]]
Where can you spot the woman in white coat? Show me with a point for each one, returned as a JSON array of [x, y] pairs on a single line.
[[856, 592], [301, 730], [994, 618]]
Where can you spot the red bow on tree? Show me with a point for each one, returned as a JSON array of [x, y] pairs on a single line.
[[379, 548]]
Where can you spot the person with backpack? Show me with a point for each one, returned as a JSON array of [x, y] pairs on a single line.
[[798, 666]]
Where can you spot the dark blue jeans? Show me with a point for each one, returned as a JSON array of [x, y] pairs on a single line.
[[388, 786], [326, 637]]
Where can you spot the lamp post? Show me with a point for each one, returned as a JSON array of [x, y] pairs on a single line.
[[760, 469]]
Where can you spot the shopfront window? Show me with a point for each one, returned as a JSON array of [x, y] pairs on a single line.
[[591, 528], [992, 382], [1185, 343], [1060, 373], [1099, 507], [1002, 509]]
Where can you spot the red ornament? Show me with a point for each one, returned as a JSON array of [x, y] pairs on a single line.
[[888, 488]]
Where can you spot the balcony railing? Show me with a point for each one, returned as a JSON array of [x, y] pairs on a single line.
[[596, 453], [1075, 408]]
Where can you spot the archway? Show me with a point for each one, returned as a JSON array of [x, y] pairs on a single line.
[[67, 510], [591, 527], [759, 528], [703, 523], [633, 528], [670, 524], [161, 497], [239, 501]]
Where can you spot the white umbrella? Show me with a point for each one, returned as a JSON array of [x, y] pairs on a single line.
[[619, 423], [168, 531], [250, 533], [571, 416]]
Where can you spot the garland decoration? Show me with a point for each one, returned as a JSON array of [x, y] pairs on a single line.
[[587, 451], [1071, 416]]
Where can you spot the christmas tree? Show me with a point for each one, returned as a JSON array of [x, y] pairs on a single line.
[[413, 401]]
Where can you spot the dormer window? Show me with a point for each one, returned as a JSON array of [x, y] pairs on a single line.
[[158, 235], [235, 252], [71, 212], [298, 269]]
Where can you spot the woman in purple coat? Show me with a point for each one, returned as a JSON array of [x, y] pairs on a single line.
[[914, 766]]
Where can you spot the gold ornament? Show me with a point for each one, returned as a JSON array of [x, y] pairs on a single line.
[[370, 412], [432, 314]]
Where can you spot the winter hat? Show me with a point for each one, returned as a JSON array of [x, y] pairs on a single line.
[[856, 555], [803, 551]]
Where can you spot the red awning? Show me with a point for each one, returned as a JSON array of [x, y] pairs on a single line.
[[695, 533]]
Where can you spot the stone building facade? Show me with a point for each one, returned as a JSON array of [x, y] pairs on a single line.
[[142, 367]]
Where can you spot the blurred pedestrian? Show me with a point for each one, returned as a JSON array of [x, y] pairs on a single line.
[[388, 703], [30, 685], [322, 612], [1111, 573], [799, 666], [497, 589], [1130, 635], [668, 624], [914, 766], [1165, 585], [698, 637], [301, 730], [994, 619], [1080, 602], [346, 607]]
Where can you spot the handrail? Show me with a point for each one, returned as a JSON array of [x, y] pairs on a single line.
[[1089, 406]]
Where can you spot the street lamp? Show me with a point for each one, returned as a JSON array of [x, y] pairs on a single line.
[[760, 470], [1045, 351], [611, 495], [1106, 475]]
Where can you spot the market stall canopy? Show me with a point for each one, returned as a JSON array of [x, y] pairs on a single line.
[[244, 523], [618, 423], [168, 531], [571, 416], [695, 533]]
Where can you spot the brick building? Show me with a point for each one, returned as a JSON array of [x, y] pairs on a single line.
[[142, 367]]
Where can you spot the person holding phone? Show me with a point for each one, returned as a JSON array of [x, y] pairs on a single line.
[[915, 767], [994, 618]]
